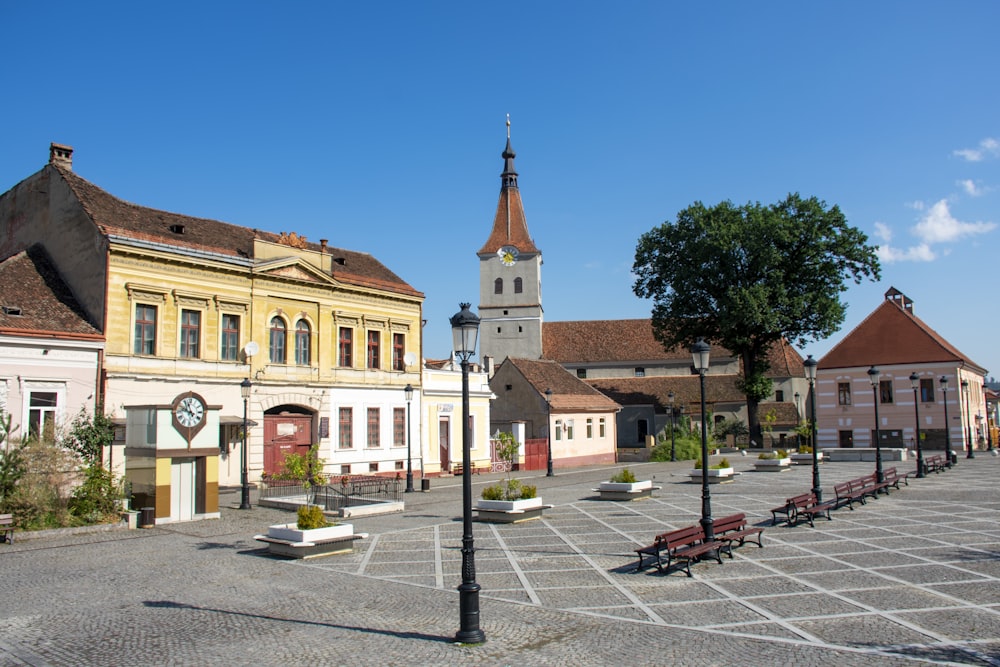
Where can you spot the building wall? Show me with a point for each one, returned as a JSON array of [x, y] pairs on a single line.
[[441, 407], [511, 323], [583, 438]]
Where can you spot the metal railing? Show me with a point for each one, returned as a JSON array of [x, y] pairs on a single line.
[[343, 492]]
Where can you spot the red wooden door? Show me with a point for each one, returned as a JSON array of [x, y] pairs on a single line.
[[285, 434]]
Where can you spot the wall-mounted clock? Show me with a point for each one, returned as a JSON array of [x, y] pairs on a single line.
[[188, 412], [508, 255]]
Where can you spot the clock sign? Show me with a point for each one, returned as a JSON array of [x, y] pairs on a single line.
[[188, 411], [508, 255]]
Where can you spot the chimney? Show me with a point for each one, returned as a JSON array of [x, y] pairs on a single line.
[[322, 245], [61, 156]]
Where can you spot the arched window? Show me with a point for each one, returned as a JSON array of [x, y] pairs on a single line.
[[498, 286], [302, 332], [518, 286], [277, 347]]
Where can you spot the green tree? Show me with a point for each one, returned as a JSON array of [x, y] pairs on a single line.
[[746, 277], [88, 436]]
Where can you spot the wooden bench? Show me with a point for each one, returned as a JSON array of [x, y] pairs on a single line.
[[681, 547], [935, 463], [892, 478], [850, 492], [734, 528], [802, 506], [7, 528]]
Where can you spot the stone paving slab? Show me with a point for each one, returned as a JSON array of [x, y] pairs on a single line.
[[910, 577]]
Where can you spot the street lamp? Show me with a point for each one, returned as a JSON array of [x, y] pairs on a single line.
[[947, 427], [408, 392], [915, 383], [548, 432], [810, 365], [968, 420], [873, 375], [464, 332], [673, 451], [700, 352], [244, 481]]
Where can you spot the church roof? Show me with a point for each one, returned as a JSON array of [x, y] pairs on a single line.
[[510, 227], [890, 335]]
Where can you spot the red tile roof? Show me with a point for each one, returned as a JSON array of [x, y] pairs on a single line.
[[892, 335], [510, 227], [114, 216], [34, 300], [568, 392]]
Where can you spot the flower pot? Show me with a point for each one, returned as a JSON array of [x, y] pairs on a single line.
[[805, 459], [291, 532], [715, 475], [626, 487], [509, 505], [772, 465]]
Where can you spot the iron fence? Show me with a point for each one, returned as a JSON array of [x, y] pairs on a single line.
[[343, 492]]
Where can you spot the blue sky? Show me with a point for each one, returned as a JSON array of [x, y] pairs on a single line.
[[379, 126]]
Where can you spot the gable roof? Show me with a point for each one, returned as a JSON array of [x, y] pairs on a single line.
[[568, 392], [34, 300], [890, 335], [115, 217]]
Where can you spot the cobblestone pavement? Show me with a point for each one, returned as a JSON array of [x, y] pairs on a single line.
[[912, 577]]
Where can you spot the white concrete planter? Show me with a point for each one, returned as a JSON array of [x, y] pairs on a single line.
[[625, 487], [509, 505], [805, 459], [290, 532], [715, 475], [773, 465], [510, 511]]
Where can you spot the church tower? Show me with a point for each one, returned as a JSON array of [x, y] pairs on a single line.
[[510, 277]]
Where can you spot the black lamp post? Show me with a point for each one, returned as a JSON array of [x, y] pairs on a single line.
[[968, 420], [947, 426], [464, 332], [408, 392], [673, 452], [700, 352], [915, 383], [548, 433], [810, 365], [244, 481], [873, 375]]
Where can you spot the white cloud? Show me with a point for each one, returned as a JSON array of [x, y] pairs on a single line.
[[939, 226], [883, 231], [973, 188], [987, 148], [917, 205], [918, 253]]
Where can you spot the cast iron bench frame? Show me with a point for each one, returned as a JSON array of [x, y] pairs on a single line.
[[682, 547], [733, 528], [804, 505]]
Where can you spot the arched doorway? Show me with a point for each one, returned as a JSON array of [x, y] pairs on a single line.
[[288, 429]]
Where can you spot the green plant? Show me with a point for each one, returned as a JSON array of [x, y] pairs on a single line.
[[305, 468], [724, 463], [493, 492], [95, 501], [310, 517], [89, 436], [507, 449], [766, 456], [623, 476], [781, 454], [805, 449], [687, 448], [528, 491]]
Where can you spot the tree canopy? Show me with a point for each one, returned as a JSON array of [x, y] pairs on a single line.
[[745, 277]]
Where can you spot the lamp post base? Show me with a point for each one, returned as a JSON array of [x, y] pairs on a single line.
[[468, 602]]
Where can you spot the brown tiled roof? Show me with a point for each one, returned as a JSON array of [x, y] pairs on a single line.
[[891, 335], [596, 341], [509, 229], [568, 392], [114, 216], [654, 390], [34, 299]]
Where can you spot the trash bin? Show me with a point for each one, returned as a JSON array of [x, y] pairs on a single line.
[[425, 484], [952, 457], [147, 517]]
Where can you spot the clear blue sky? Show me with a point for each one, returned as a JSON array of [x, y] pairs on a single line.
[[379, 126]]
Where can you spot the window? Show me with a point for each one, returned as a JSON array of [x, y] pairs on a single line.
[[559, 429], [346, 428], [498, 286], [590, 428], [569, 429], [190, 333], [600, 428], [581, 373], [373, 345], [346, 347], [779, 396], [302, 338], [518, 285], [398, 351], [230, 346], [399, 427], [373, 428], [885, 391], [373, 467], [927, 391], [145, 329], [277, 347], [640, 372], [42, 415], [844, 393]]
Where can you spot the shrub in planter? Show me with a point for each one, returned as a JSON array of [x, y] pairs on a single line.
[[310, 517], [623, 476], [805, 449], [722, 464]]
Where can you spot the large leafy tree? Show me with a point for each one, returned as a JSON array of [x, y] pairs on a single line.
[[744, 277]]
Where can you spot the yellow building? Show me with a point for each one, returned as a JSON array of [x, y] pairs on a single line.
[[191, 308]]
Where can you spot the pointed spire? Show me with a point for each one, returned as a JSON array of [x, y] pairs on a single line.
[[508, 178]]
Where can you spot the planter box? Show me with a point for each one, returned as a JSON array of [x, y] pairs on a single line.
[[287, 540], [715, 475], [805, 459], [774, 465], [626, 490], [510, 511]]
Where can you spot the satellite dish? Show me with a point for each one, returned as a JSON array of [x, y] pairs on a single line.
[[409, 358], [251, 349]]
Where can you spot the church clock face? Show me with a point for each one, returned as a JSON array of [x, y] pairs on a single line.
[[508, 255], [188, 412]]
